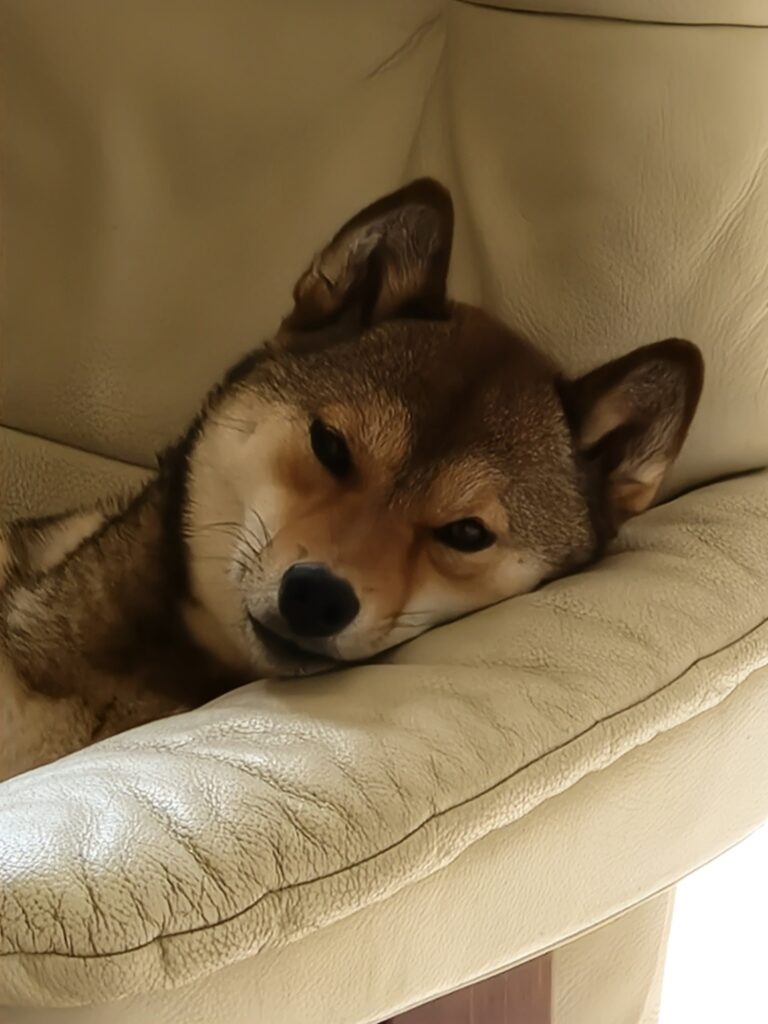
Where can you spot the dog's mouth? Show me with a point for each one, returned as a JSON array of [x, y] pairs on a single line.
[[277, 645]]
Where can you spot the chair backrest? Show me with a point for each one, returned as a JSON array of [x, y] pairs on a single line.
[[168, 169]]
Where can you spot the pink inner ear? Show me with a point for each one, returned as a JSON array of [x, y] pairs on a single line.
[[606, 414], [630, 497], [391, 256], [634, 483]]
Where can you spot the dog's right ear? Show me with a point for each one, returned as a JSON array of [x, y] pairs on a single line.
[[390, 260], [630, 417]]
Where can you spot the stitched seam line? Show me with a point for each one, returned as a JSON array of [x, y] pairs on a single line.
[[72, 447], [403, 839], [612, 18]]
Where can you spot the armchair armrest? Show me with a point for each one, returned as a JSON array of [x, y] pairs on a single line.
[[166, 853]]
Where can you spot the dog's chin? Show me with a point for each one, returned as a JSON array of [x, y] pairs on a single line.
[[285, 657]]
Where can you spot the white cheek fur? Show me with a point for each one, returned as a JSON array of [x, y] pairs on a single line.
[[515, 573], [231, 484]]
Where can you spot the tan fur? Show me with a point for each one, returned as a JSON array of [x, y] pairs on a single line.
[[156, 602]]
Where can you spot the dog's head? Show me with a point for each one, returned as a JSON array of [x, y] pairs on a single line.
[[393, 460]]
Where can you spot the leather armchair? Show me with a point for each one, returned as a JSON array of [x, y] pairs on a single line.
[[531, 781]]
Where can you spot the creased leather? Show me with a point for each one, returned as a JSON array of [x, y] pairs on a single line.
[[158, 197], [713, 13], [38, 476], [574, 862], [159, 201], [282, 808], [611, 190], [168, 170]]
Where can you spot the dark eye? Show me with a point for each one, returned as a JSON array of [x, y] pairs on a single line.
[[465, 535], [330, 449]]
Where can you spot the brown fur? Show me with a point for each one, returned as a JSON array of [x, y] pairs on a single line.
[[145, 606]]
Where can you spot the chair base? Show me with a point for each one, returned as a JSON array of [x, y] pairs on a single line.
[[520, 996]]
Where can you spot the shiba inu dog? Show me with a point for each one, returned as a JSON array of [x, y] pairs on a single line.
[[391, 460]]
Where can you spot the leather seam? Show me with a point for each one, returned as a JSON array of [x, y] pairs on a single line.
[[610, 18], [159, 939], [72, 447]]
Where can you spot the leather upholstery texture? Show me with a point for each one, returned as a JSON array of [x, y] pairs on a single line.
[[615, 972], [341, 849], [659, 810], [161, 196], [284, 808], [38, 476], [686, 13]]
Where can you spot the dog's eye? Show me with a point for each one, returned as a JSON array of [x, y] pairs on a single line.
[[330, 449], [465, 535]]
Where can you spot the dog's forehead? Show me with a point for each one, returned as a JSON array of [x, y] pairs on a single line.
[[423, 360], [468, 387], [420, 395], [454, 408]]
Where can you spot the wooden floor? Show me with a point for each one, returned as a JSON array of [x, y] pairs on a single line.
[[521, 996]]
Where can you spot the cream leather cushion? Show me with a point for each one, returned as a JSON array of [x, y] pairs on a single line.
[[171, 851], [169, 168], [174, 165], [688, 13], [612, 191], [566, 754]]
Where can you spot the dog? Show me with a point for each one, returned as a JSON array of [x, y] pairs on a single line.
[[389, 461]]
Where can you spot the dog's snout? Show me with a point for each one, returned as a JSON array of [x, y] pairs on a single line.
[[314, 602]]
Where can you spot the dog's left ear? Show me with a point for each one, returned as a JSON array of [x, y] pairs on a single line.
[[630, 418], [390, 260]]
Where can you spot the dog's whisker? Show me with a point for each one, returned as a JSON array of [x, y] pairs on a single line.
[[233, 423], [412, 618], [240, 532], [253, 552], [224, 527], [263, 525], [247, 531], [236, 419]]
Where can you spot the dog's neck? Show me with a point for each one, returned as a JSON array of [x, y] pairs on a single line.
[[112, 616]]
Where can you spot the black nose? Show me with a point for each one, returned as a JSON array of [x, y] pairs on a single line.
[[314, 602]]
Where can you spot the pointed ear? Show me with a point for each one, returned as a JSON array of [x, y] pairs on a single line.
[[390, 260], [630, 418]]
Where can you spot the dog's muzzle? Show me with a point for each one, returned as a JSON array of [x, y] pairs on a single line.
[[314, 603]]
